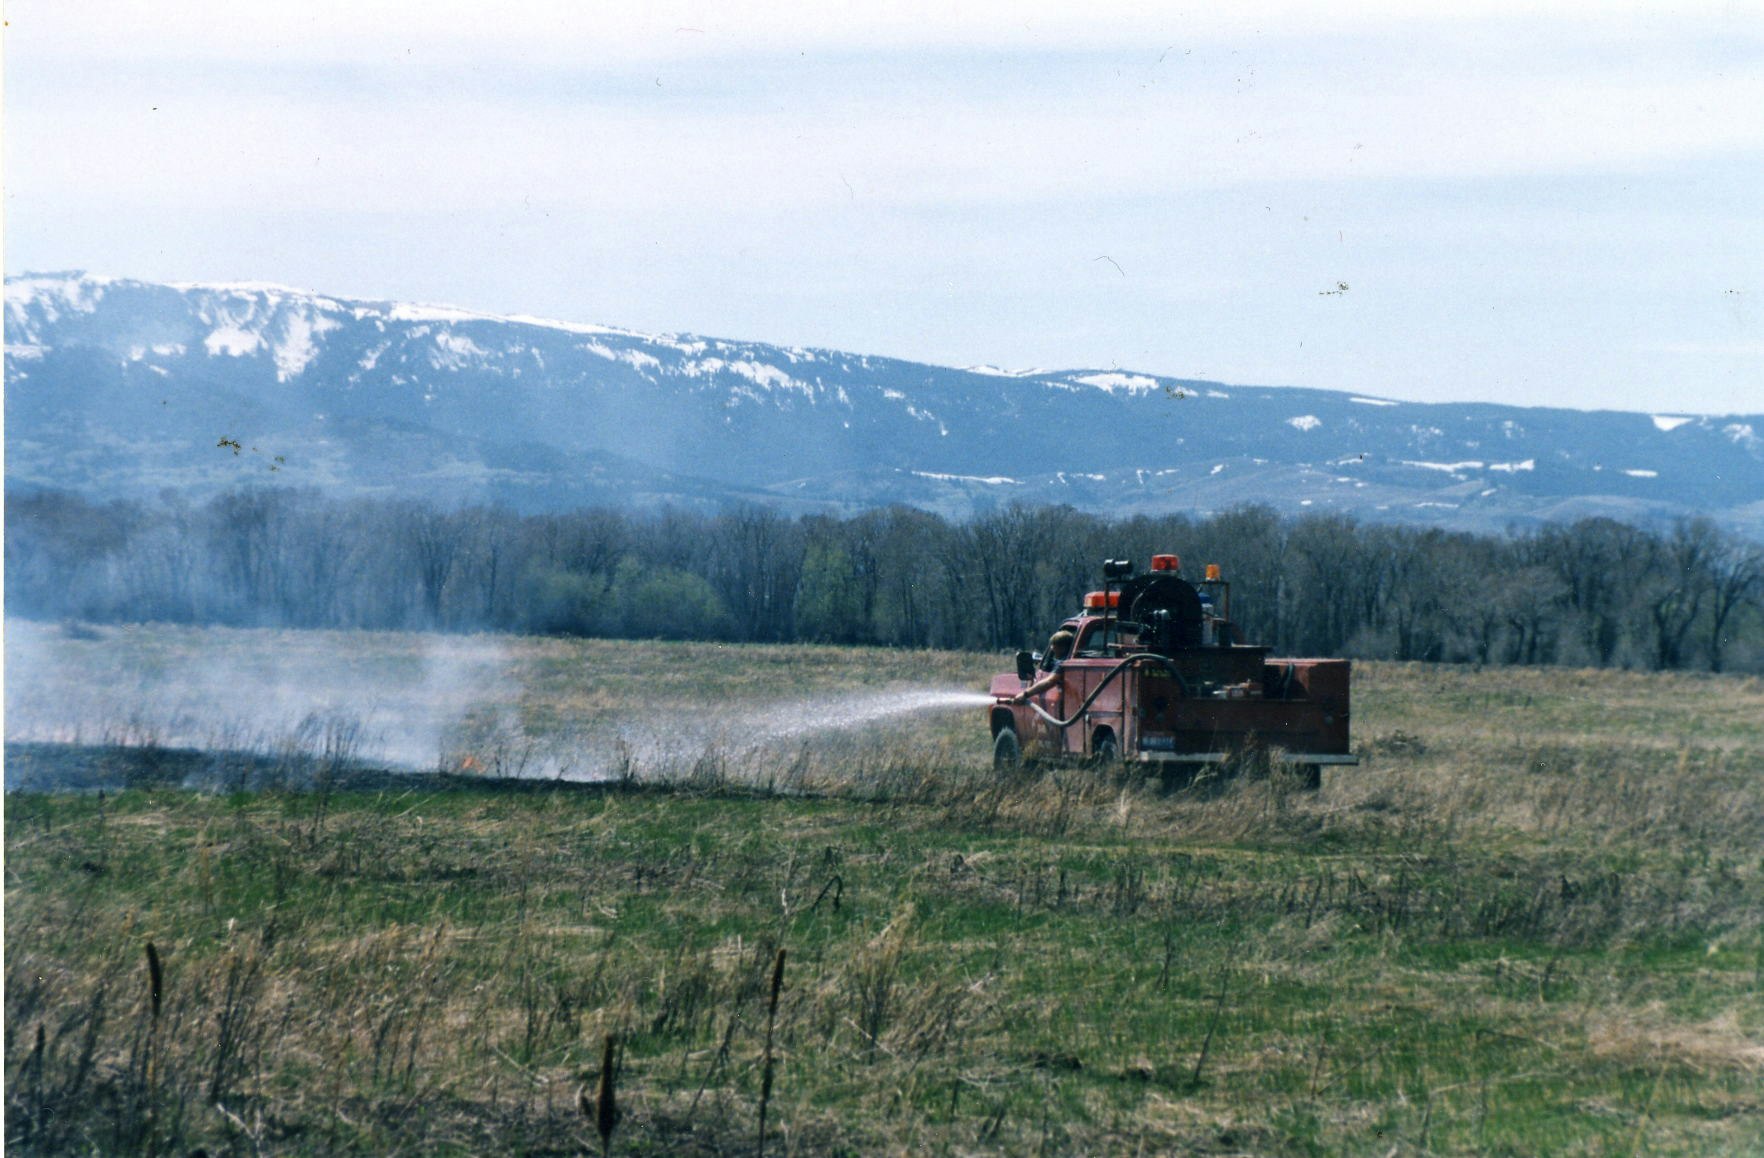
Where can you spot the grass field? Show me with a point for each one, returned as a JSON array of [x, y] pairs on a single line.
[[1532, 922]]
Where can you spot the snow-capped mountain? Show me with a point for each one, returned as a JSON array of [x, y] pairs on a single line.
[[123, 388]]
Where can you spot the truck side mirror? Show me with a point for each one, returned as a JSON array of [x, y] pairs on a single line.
[[1025, 666]]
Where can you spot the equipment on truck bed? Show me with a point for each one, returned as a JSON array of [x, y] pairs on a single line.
[[1155, 671]]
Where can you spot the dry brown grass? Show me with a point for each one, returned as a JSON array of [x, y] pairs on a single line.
[[1525, 925]]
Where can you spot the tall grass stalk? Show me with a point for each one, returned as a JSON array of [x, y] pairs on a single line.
[[766, 1070], [606, 1107]]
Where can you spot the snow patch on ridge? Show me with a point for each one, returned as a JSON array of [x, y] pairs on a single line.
[[992, 480], [926, 416], [265, 289], [295, 352], [1471, 464], [416, 312], [454, 351], [1305, 422], [766, 377], [1447, 467], [636, 358], [408, 312], [1669, 422], [53, 293], [571, 327], [690, 349], [1130, 383], [229, 339]]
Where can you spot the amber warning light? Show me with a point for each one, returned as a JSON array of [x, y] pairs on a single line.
[[1099, 600], [1212, 572]]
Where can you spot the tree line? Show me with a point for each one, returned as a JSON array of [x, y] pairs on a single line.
[[1596, 592]]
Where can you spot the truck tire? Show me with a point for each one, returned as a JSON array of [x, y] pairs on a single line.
[[1007, 754], [1104, 748], [1310, 777]]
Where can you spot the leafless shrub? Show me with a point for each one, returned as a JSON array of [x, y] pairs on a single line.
[[239, 1029]]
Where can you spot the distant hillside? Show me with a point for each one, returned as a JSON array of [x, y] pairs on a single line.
[[124, 388]]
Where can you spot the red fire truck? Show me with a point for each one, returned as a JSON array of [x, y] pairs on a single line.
[[1155, 672]]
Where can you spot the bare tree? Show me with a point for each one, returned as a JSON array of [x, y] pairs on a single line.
[[1330, 569], [1736, 580], [757, 558], [1597, 562], [912, 554], [435, 541], [1675, 584]]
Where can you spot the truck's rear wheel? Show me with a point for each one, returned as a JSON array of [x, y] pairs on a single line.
[[1007, 753], [1104, 747]]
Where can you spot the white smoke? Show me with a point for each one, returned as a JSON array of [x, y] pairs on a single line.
[[219, 690], [404, 701]]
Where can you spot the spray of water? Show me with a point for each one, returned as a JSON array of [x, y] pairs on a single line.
[[847, 713], [748, 736]]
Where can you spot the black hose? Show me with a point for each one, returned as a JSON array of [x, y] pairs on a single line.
[[1131, 660]]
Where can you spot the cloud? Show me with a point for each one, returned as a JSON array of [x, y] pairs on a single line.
[[318, 106], [535, 32], [1705, 349]]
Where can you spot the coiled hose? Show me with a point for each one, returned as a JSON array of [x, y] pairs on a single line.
[[1130, 661]]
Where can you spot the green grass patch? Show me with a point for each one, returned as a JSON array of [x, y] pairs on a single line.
[[1446, 950]]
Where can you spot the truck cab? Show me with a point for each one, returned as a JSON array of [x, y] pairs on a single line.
[[1157, 673]]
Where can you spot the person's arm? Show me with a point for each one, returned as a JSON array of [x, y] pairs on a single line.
[[1040, 685]]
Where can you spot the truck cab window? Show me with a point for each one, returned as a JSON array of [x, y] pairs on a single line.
[[1092, 642]]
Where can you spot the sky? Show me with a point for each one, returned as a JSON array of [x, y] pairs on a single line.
[[1499, 201]]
